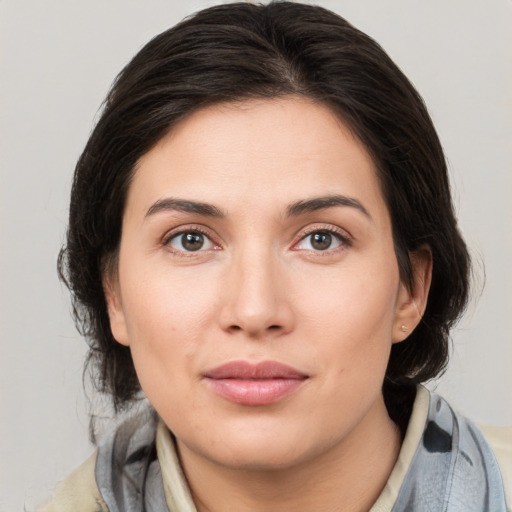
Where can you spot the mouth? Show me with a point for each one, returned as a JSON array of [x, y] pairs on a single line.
[[246, 383]]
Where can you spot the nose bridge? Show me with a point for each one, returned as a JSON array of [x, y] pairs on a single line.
[[255, 301]]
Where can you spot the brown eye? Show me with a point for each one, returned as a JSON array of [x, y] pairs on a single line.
[[190, 241], [321, 241]]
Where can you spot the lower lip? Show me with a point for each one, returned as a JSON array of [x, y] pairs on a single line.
[[254, 392]]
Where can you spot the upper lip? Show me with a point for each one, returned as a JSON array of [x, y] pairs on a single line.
[[245, 370]]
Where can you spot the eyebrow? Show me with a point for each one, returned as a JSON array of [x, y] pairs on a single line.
[[320, 203], [293, 210], [182, 205]]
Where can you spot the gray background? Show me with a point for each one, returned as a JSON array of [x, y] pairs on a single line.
[[57, 61]]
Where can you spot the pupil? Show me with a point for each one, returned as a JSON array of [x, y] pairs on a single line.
[[192, 241], [321, 241]]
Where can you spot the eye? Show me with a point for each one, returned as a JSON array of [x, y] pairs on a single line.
[[321, 240], [190, 241]]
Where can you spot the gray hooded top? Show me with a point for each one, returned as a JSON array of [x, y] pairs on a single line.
[[453, 468]]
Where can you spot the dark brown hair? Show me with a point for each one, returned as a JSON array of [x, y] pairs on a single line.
[[240, 51]]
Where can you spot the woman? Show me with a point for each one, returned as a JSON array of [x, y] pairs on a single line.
[[262, 239]]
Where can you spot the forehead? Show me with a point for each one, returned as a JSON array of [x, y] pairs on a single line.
[[269, 152]]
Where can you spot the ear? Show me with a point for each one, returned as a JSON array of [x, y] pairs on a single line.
[[115, 310], [412, 301]]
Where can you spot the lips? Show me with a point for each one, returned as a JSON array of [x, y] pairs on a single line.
[[245, 383]]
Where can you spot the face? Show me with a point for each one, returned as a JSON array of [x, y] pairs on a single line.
[[257, 286]]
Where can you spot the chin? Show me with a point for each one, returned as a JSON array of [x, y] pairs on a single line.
[[261, 459], [261, 451]]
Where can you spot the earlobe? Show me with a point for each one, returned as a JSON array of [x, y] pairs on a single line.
[[412, 300], [115, 311]]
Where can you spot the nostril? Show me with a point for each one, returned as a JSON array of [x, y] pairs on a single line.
[[274, 327]]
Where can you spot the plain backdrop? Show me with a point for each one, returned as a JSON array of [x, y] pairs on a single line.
[[57, 60]]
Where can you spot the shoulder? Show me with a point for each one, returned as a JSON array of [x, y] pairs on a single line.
[[117, 474], [480, 463], [78, 492], [476, 469], [453, 466], [500, 441]]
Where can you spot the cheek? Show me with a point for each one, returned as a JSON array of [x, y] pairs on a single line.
[[352, 312], [162, 303], [166, 316]]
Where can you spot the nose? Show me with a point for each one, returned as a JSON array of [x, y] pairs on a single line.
[[255, 298]]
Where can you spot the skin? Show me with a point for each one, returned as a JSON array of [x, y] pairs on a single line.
[[259, 290]]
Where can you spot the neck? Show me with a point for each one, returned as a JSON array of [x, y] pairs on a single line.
[[348, 477]]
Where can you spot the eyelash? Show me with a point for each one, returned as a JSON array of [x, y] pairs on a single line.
[[340, 235], [174, 234]]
